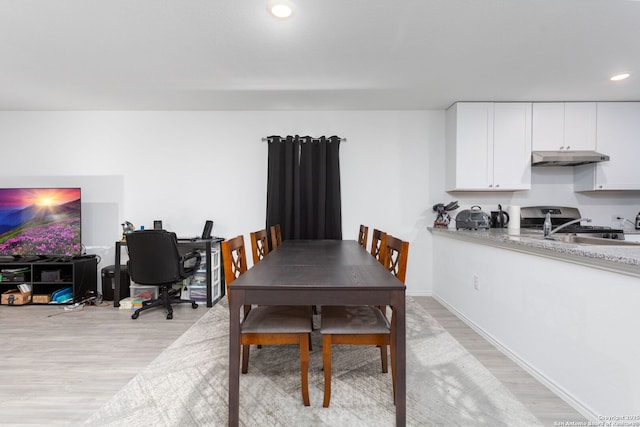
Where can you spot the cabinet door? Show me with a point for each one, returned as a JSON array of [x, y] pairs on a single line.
[[618, 134], [548, 126], [580, 126], [512, 146], [470, 138], [564, 126]]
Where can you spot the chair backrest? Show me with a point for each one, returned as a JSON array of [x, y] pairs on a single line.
[[363, 235], [276, 236], [259, 245], [234, 260], [154, 258], [378, 244], [396, 254]]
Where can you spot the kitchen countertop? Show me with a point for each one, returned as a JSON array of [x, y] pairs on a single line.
[[620, 259]]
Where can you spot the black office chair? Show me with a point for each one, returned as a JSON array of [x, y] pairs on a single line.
[[154, 260]]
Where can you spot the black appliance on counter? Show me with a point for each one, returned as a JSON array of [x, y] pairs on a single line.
[[532, 218]]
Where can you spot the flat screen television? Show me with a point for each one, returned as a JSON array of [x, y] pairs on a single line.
[[41, 222]]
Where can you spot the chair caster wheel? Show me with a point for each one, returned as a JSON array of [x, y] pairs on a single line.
[[135, 315], [194, 305], [169, 316]]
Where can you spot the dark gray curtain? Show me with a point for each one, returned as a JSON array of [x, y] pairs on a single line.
[[303, 187]]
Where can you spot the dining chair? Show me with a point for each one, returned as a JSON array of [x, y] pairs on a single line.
[[378, 243], [363, 235], [259, 245], [260, 249], [276, 236], [364, 325], [267, 324]]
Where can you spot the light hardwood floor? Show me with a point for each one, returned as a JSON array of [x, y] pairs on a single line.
[[542, 402], [61, 366], [58, 367]]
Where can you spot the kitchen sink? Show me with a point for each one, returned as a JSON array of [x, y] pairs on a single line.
[[585, 240]]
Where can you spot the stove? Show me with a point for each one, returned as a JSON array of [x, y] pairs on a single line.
[[532, 218]]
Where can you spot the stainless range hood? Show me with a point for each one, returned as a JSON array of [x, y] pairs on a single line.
[[566, 158]]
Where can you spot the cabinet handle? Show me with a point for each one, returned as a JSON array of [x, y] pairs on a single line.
[[562, 148], [497, 185], [568, 147], [490, 185]]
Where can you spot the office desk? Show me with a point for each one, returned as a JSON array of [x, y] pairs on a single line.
[[183, 244], [317, 272]]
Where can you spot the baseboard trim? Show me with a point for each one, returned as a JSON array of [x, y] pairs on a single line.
[[420, 294], [563, 394]]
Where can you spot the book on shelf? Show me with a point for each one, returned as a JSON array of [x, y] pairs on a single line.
[[15, 270]]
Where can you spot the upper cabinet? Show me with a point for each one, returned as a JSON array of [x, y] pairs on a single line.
[[564, 126], [488, 146], [618, 135]]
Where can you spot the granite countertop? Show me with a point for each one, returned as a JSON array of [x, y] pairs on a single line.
[[622, 259]]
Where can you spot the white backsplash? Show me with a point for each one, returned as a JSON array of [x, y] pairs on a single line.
[[554, 186]]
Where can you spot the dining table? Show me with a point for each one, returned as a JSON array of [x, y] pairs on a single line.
[[317, 272]]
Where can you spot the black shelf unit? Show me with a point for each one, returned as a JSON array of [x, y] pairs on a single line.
[[81, 274]]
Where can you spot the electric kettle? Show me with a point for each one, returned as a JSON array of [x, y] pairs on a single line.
[[499, 218]]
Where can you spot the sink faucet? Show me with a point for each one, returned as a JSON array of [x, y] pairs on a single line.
[[560, 227]]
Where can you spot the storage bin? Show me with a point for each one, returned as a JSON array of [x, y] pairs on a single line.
[[198, 293], [143, 291]]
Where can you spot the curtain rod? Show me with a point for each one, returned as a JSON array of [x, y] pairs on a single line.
[[341, 139]]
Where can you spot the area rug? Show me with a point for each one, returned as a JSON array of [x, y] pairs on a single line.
[[187, 384]]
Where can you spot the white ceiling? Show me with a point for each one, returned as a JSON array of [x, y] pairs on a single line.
[[333, 54]]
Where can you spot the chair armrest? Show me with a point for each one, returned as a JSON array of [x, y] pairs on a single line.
[[187, 257]]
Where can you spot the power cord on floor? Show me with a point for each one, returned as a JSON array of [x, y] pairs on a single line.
[[91, 298], [69, 308]]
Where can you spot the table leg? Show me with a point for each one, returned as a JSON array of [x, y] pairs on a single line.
[[398, 303], [208, 272], [116, 278], [235, 303]]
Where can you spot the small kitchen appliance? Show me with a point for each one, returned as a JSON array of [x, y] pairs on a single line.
[[533, 218], [499, 218], [472, 219]]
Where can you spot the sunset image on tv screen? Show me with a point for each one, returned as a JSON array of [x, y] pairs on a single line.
[[40, 221]]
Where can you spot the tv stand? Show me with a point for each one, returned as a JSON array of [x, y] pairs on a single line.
[[48, 275], [27, 259]]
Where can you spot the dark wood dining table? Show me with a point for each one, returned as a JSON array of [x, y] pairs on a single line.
[[317, 272]]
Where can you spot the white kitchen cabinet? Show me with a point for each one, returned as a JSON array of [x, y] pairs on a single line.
[[564, 126], [618, 136], [488, 146]]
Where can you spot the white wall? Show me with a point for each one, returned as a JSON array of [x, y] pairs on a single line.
[[186, 167]]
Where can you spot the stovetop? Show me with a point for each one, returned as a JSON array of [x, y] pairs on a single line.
[[533, 218]]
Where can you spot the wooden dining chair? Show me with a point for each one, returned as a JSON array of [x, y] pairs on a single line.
[[378, 243], [268, 324], [259, 245], [364, 325], [276, 236], [363, 235]]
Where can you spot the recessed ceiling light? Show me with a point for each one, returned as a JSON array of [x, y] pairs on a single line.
[[281, 8], [619, 76]]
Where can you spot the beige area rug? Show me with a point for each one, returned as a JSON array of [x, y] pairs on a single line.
[[187, 384]]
